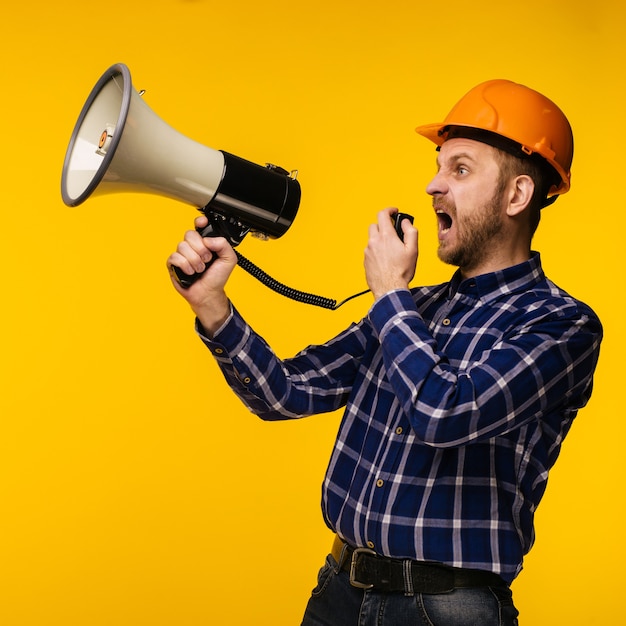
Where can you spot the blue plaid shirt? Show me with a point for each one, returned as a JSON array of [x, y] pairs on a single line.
[[457, 399]]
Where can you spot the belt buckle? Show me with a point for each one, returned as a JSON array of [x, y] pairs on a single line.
[[353, 563]]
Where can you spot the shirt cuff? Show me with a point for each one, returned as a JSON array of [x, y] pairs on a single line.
[[390, 305], [229, 337]]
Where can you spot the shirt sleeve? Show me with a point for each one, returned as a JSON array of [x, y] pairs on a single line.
[[541, 369], [317, 380]]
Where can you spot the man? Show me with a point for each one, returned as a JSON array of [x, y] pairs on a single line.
[[457, 397]]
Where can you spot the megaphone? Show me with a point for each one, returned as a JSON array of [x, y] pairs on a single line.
[[120, 145]]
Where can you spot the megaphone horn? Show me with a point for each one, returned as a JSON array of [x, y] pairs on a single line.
[[120, 145]]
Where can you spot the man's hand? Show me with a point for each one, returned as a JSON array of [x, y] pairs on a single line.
[[390, 262], [207, 296]]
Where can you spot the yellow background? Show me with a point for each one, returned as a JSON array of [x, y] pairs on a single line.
[[134, 489]]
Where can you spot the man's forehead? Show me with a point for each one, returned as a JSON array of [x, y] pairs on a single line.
[[461, 147]]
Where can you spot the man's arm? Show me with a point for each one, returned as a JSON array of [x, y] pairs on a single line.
[[316, 381], [541, 368]]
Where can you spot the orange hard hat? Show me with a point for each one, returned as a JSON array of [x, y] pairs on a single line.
[[524, 116]]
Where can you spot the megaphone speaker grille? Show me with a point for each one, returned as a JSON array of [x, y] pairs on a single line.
[[96, 135]]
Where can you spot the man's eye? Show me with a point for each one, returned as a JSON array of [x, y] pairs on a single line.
[[461, 169]]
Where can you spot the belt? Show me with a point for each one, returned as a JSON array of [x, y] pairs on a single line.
[[369, 570]]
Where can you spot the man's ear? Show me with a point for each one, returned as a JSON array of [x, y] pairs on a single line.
[[521, 192]]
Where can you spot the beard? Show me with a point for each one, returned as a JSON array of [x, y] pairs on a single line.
[[475, 234]]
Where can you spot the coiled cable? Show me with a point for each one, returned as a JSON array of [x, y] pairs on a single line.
[[294, 294]]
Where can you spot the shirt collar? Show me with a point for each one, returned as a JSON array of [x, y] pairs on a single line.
[[517, 278]]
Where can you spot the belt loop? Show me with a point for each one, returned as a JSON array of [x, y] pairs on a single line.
[[343, 554], [342, 557], [407, 574]]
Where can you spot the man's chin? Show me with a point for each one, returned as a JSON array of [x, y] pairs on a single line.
[[447, 256]]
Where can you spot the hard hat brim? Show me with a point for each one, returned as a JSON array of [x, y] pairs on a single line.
[[432, 132]]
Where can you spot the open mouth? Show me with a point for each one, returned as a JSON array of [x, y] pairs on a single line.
[[444, 221]]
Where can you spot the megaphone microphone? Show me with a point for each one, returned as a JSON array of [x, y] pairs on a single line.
[[120, 145]]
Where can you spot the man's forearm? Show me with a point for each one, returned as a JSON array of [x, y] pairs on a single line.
[[213, 314]]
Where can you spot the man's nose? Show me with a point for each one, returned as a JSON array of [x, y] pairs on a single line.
[[437, 185]]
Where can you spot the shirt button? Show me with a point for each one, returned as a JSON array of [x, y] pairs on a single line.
[[380, 482], [219, 351], [446, 322], [399, 430], [370, 545], [247, 380]]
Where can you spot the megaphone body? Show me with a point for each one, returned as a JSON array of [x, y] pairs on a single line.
[[120, 145]]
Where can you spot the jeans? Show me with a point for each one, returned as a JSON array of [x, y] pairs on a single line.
[[335, 602]]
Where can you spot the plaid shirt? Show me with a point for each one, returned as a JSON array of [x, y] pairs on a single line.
[[457, 399]]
